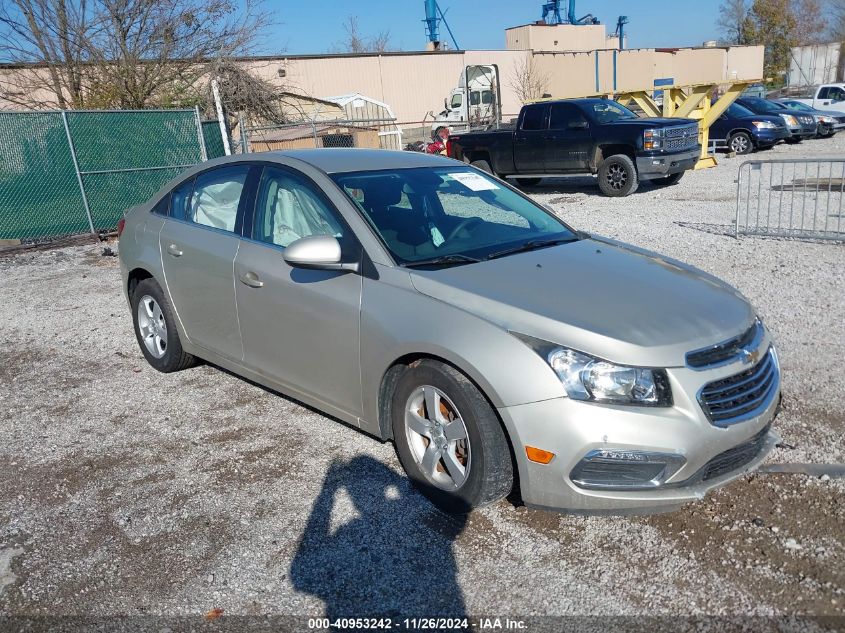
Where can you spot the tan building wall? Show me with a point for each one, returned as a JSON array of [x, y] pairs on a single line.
[[414, 84], [559, 37]]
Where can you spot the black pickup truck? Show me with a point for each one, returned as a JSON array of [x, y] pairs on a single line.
[[575, 136]]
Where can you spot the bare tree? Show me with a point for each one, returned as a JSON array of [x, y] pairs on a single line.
[[52, 34], [243, 92], [732, 21], [528, 81], [355, 42], [810, 22], [121, 53]]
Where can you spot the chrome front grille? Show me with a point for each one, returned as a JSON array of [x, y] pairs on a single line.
[[726, 351], [680, 137], [806, 119], [742, 396]]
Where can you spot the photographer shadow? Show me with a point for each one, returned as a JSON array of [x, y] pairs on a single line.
[[390, 554]]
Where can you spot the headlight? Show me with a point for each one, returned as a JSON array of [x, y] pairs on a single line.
[[827, 119], [764, 125], [790, 120], [591, 379], [652, 138]]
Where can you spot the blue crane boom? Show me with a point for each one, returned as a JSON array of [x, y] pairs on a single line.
[[551, 14], [433, 16]]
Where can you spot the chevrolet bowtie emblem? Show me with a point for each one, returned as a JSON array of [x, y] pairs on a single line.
[[748, 357]]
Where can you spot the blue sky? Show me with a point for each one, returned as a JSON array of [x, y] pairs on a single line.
[[313, 27]]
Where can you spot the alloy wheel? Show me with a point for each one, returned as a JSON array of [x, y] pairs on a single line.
[[152, 326], [437, 437], [739, 144], [617, 176]]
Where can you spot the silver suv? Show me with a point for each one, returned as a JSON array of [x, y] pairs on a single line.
[[432, 305]]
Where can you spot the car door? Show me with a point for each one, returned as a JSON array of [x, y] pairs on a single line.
[[198, 244], [300, 327], [528, 142], [568, 140]]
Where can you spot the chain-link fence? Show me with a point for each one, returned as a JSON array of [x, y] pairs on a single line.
[[362, 133], [69, 172], [802, 198]]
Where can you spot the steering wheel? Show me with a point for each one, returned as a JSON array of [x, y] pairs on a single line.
[[462, 225]]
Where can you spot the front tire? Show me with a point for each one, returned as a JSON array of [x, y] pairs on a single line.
[[448, 438], [618, 176], [740, 143], [155, 329]]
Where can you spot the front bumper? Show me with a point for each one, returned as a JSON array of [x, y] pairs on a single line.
[[660, 164], [803, 132], [769, 136], [573, 430]]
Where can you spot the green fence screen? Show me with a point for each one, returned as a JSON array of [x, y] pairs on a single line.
[[213, 139], [123, 158]]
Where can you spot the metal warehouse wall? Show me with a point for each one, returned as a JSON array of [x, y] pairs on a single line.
[[413, 84]]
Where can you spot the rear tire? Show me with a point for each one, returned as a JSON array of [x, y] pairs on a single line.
[[618, 176], [740, 143], [528, 182], [155, 329], [458, 455], [483, 165]]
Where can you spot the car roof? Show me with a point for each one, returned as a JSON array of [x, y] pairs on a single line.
[[338, 160]]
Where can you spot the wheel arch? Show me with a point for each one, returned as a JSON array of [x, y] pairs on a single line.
[[399, 366], [136, 276], [612, 149]]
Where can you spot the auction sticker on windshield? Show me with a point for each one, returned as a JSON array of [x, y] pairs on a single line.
[[473, 181]]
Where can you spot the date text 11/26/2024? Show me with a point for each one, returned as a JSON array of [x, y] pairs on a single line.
[[416, 624]]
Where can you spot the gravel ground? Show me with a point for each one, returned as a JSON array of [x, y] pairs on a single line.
[[125, 491]]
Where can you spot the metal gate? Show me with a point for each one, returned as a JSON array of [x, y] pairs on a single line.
[[800, 198]]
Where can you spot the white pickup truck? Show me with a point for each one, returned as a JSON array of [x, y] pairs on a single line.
[[826, 97]]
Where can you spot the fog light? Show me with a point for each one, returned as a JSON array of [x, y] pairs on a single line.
[[612, 469]]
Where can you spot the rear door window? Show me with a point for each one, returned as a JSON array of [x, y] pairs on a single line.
[[216, 196], [534, 118]]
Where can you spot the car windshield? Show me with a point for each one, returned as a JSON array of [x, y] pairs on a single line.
[[762, 105], [797, 105], [449, 215], [736, 110], [607, 111]]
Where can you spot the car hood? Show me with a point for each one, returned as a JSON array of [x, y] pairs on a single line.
[[652, 122], [598, 296], [771, 118]]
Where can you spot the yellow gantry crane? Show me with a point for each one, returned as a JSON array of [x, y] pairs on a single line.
[[693, 101]]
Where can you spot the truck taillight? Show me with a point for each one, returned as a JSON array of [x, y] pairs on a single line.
[[121, 224]]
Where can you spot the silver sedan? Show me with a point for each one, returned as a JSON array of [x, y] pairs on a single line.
[[432, 305]]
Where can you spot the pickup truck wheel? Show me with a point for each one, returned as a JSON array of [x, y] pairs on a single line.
[[740, 143], [483, 165], [528, 182], [449, 439], [668, 181], [618, 176]]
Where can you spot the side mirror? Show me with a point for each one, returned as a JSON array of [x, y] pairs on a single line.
[[320, 252], [445, 103], [578, 125]]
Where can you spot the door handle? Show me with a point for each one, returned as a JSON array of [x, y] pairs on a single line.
[[251, 279], [174, 250]]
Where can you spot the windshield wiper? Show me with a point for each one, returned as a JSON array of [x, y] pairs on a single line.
[[532, 245], [443, 260]]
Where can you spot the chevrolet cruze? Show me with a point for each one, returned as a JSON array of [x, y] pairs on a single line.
[[432, 305]]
